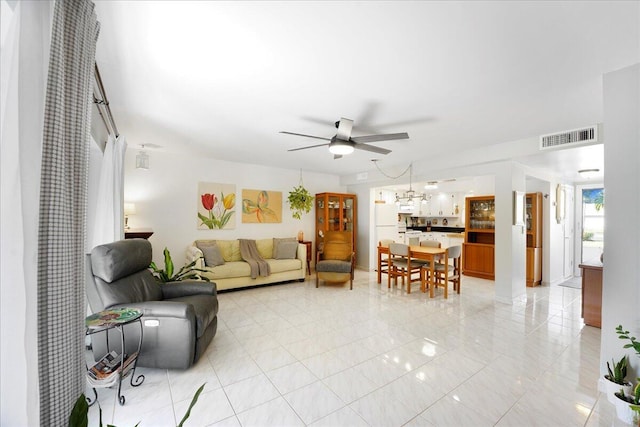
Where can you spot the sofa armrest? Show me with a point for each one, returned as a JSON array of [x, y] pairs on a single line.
[[302, 252], [186, 288], [193, 254]]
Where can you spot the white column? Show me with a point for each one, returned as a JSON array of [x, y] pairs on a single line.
[[510, 245], [621, 273]]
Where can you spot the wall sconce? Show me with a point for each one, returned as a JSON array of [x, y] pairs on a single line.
[[142, 160], [560, 201], [129, 209]]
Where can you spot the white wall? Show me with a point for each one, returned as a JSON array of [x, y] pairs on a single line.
[[621, 275], [166, 198]]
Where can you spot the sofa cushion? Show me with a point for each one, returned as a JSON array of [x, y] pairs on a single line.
[[228, 270], [282, 247], [282, 265], [211, 252], [265, 247], [230, 249], [333, 266]]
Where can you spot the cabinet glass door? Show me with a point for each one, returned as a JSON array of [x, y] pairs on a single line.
[[529, 212], [347, 214], [333, 217], [482, 214], [320, 213]]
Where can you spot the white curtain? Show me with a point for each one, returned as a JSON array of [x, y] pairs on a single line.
[[108, 225], [26, 40]]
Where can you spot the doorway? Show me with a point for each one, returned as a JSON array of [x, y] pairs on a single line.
[[591, 204]]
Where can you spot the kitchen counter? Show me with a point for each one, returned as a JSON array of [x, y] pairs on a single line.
[[436, 228], [592, 292]]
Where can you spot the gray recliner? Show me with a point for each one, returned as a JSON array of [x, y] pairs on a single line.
[[179, 318]]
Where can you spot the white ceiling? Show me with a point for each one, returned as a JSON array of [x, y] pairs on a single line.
[[221, 79]]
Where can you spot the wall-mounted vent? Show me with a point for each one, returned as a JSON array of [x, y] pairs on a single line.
[[587, 135]]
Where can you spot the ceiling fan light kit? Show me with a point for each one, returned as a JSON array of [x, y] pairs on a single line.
[[343, 143], [340, 147]]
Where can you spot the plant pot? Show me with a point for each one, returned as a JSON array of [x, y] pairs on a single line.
[[623, 409], [613, 388]]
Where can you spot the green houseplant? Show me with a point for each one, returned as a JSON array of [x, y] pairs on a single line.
[[617, 378], [632, 402], [300, 201], [624, 335], [168, 274], [80, 412]]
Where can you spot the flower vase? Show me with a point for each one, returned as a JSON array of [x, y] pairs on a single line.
[[300, 236]]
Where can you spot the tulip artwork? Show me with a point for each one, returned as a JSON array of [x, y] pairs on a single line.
[[216, 206]]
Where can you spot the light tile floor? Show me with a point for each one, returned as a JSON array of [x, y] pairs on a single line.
[[291, 354]]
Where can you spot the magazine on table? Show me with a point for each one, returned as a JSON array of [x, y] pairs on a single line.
[[108, 367]]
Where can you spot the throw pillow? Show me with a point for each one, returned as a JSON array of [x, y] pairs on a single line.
[[285, 248], [211, 253]]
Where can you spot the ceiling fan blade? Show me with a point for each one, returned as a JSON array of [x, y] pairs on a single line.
[[308, 146], [344, 129], [307, 136], [371, 148], [384, 137], [337, 156]]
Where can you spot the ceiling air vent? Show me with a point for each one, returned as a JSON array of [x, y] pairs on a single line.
[[587, 135]]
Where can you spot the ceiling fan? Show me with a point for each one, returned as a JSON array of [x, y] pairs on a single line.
[[343, 143]]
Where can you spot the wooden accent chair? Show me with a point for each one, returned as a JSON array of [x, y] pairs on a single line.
[[335, 261]]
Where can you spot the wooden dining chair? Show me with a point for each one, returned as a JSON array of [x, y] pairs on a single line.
[[384, 260], [402, 265], [424, 272], [453, 270]]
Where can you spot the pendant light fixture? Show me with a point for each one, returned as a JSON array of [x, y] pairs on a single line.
[[142, 159]]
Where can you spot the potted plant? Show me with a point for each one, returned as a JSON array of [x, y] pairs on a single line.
[[300, 201], [617, 379], [624, 335], [187, 272], [628, 406]]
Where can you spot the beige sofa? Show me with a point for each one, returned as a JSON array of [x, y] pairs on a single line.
[[236, 273]]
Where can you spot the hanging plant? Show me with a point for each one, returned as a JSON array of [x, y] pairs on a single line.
[[300, 200]]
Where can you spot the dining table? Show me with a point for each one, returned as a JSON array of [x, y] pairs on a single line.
[[424, 253]]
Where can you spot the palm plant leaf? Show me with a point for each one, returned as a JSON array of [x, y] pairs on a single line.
[[193, 402]]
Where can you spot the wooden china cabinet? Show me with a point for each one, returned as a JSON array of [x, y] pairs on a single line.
[[335, 212], [479, 237], [479, 242]]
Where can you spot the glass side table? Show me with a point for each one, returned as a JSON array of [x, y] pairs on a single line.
[[113, 367]]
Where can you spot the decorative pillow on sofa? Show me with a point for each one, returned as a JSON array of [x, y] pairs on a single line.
[[265, 248], [285, 248], [211, 252]]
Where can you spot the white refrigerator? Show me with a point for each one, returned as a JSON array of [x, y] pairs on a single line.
[[386, 221]]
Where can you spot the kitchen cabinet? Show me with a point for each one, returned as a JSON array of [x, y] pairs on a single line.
[[335, 212], [478, 250], [533, 211]]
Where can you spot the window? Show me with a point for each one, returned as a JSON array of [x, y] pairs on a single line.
[[593, 212]]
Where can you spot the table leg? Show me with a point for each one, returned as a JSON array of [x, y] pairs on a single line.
[[432, 275], [379, 267]]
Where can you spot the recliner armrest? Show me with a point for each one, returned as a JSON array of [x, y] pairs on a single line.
[[186, 288], [175, 309]]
